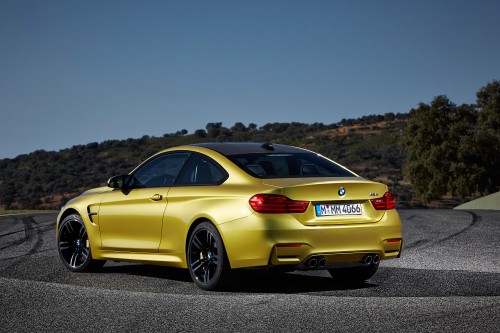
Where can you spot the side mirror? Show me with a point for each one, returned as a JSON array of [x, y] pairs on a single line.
[[118, 182]]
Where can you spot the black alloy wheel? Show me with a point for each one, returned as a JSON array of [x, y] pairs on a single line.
[[73, 245], [206, 258]]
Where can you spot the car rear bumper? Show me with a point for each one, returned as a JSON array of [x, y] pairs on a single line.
[[267, 239]]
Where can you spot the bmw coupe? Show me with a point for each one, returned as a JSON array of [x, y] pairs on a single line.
[[213, 207]]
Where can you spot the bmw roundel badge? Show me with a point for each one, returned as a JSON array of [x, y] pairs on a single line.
[[341, 191]]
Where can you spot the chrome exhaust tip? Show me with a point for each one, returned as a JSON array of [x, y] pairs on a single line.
[[312, 263], [315, 262], [321, 262], [371, 259]]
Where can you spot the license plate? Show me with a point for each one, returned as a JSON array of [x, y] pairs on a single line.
[[338, 209]]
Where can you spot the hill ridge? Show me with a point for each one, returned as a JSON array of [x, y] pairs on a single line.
[[47, 179]]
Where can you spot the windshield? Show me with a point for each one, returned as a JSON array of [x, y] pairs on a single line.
[[296, 165]]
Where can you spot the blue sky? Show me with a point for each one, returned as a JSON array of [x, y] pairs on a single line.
[[74, 72]]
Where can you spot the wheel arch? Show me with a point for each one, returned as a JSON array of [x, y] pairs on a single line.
[[92, 229], [68, 212], [76, 251], [193, 225], [64, 214]]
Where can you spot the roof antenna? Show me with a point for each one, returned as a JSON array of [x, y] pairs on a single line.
[[267, 146]]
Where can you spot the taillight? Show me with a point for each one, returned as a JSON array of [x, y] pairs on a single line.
[[386, 202], [277, 204]]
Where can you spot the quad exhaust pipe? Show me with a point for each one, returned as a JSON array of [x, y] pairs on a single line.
[[315, 262], [371, 259], [320, 261]]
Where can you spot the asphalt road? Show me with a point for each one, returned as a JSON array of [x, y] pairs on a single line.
[[448, 280]]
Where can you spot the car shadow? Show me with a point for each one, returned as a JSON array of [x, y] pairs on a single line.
[[250, 281], [159, 272], [387, 282], [242, 280]]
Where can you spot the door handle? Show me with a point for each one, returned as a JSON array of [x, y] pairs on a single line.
[[156, 197]]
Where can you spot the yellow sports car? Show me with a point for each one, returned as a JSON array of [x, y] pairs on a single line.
[[213, 207]]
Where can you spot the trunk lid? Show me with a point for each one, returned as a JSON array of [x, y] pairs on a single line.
[[333, 201]]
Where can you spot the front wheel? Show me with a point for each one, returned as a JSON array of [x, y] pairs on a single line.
[[206, 258], [73, 245]]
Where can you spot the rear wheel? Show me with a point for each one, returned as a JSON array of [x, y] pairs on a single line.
[[353, 275], [73, 245], [206, 257]]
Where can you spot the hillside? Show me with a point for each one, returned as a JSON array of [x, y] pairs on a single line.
[[46, 180]]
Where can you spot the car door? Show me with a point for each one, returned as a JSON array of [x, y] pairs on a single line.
[[130, 219], [193, 194]]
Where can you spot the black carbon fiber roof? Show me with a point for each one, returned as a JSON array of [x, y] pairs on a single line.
[[234, 148]]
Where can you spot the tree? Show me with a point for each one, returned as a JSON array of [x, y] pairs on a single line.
[[252, 127], [488, 135], [200, 133], [439, 143], [389, 116], [239, 127], [8, 194], [464, 162], [213, 129]]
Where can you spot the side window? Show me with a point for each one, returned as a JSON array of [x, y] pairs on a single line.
[[201, 170], [159, 172]]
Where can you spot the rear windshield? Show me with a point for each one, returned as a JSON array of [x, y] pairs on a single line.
[[288, 165]]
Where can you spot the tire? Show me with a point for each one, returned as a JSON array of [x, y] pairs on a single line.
[[206, 257], [353, 275], [73, 245]]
